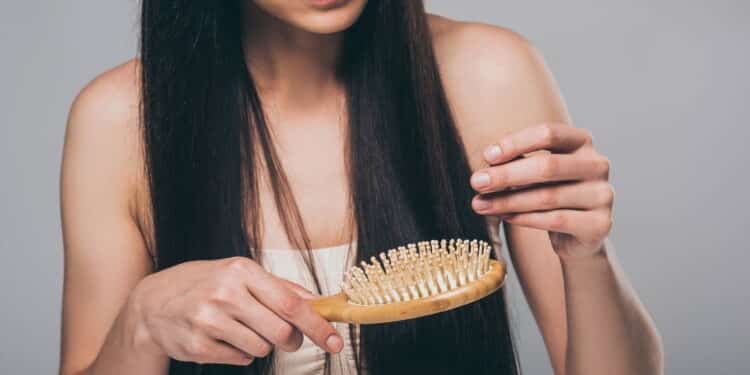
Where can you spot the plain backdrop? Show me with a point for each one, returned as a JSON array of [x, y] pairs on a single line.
[[663, 85]]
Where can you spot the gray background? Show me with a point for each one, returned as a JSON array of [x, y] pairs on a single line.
[[662, 85]]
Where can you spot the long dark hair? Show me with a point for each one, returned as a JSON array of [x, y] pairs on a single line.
[[203, 122]]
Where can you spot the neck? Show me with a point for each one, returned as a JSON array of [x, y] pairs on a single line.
[[296, 65]]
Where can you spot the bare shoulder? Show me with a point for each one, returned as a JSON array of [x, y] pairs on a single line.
[[102, 140], [457, 41], [496, 81], [484, 57], [109, 99]]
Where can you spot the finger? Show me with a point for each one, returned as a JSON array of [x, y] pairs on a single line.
[[299, 289], [576, 195], [202, 349], [586, 226], [540, 168], [553, 137], [267, 324], [295, 310], [240, 337]]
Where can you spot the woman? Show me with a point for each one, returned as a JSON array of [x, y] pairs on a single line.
[[338, 127]]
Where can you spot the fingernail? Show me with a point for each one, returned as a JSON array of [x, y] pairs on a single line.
[[481, 204], [492, 153], [334, 343], [480, 180]]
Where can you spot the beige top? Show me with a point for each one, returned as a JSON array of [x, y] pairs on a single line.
[[330, 264]]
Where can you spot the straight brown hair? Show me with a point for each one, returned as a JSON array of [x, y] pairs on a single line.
[[408, 171]]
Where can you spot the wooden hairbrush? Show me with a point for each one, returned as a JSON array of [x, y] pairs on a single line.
[[413, 281]]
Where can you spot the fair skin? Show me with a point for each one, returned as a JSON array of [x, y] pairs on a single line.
[[121, 317]]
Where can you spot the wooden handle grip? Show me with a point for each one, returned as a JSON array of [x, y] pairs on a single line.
[[336, 308]]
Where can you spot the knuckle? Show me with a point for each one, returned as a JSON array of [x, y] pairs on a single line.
[[202, 316], [222, 294], [507, 146], [498, 176], [497, 204], [283, 333], [290, 306], [195, 348], [549, 134], [603, 164], [211, 327], [548, 166], [262, 349], [237, 264], [588, 137], [548, 198], [602, 226], [557, 220], [606, 193]]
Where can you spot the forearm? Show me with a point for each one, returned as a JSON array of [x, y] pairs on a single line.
[[127, 350], [609, 331]]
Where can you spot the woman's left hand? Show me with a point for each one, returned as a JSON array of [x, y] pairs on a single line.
[[563, 189]]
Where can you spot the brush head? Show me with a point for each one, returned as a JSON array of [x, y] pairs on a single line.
[[417, 271], [413, 281]]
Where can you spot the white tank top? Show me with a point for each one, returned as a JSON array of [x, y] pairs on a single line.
[[330, 264]]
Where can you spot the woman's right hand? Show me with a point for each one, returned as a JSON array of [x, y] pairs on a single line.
[[225, 311]]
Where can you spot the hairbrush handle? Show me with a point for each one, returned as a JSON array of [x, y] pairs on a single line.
[[332, 308], [337, 308]]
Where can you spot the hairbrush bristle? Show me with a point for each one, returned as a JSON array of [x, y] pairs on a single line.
[[416, 271]]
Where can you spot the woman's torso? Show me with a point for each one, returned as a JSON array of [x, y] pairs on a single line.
[[311, 149], [312, 153]]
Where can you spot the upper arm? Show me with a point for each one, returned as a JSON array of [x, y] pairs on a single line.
[[497, 83], [105, 255]]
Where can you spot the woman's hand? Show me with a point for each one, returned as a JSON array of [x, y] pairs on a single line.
[[564, 189], [225, 311]]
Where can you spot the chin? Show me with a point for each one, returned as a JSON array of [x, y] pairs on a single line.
[[315, 16]]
